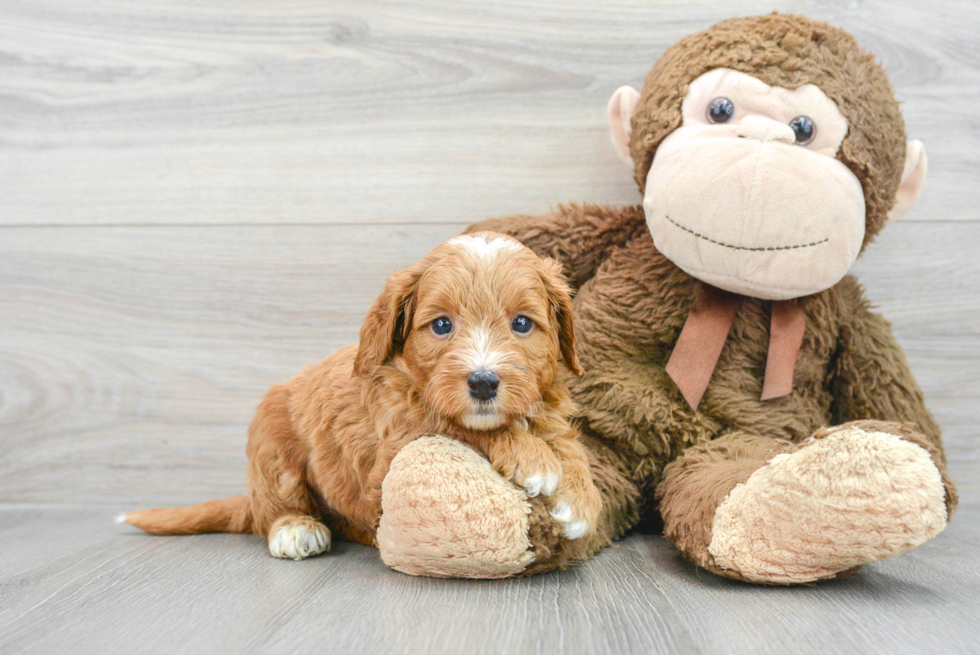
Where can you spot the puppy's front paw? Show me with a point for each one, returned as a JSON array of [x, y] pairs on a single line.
[[538, 472], [298, 538], [542, 481], [579, 513], [528, 463]]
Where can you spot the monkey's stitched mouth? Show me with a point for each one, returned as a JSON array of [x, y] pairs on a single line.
[[733, 247]]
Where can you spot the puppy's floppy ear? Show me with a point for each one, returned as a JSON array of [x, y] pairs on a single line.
[[560, 299], [388, 321]]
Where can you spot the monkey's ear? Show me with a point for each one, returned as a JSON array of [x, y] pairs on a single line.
[[388, 321], [618, 113], [913, 179]]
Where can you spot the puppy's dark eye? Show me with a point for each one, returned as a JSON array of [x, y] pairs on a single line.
[[442, 326], [720, 110], [805, 129], [521, 325]]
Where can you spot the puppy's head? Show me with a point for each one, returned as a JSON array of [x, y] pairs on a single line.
[[479, 326]]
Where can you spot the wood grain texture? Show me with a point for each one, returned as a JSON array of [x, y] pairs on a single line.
[[139, 353], [197, 199], [110, 590], [123, 111], [133, 357]]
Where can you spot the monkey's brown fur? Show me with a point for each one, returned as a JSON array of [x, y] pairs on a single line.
[[650, 450]]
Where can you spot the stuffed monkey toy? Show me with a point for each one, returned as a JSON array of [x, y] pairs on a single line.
[[737, 383]]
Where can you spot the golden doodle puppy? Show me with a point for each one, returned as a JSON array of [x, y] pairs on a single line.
[[467, 343]]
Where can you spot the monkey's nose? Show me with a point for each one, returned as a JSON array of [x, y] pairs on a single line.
[[483, 384], [765, 129]]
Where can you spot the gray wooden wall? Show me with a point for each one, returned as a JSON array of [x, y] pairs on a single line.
[[196, 199]]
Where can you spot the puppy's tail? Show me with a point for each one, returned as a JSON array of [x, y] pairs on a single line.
[[230, 514]]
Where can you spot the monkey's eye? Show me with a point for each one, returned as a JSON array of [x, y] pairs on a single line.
[[442, 326], [720, 110], [805, 129], [521, 324]]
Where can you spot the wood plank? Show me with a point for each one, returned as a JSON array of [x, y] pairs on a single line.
[[167, 337], [91, 587], [196, 200], [385, 111], [132, 357], [913, 603]]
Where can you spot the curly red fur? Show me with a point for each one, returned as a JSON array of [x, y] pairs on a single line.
[[321, 444]]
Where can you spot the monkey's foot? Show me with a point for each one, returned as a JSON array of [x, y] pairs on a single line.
[[851, 495], [447, 513]]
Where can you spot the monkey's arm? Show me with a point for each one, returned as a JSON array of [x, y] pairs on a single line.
[[871, 378], [578, 236]]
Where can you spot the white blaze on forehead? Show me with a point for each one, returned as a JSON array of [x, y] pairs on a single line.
[[486, 248]]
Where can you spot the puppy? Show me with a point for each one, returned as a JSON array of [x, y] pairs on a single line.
[[466, 343]]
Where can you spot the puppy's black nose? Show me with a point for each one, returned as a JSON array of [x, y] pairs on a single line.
[[483, 384]]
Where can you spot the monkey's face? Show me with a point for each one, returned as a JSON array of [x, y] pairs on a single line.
[[747, 194], [756, 188]]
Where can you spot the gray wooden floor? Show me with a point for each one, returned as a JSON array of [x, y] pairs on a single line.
[[197, 199], [83, 587]]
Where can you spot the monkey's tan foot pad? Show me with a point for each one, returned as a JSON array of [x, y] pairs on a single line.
[[848, 497], [447, 513]]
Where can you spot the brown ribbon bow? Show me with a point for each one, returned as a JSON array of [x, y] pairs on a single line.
[[694, 357]]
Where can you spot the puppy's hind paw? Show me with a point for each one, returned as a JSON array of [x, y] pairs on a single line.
[[298, 538]]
